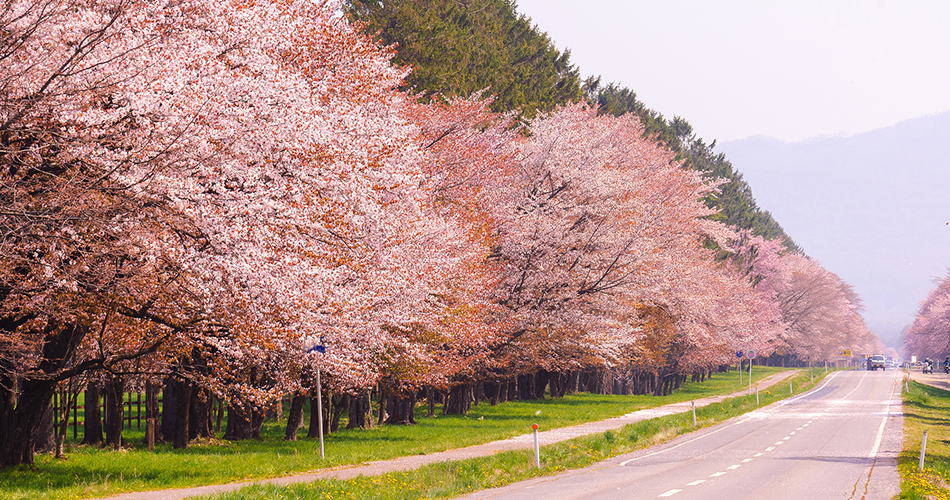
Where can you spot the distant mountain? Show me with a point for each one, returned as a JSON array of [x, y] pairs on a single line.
[[873, 208]]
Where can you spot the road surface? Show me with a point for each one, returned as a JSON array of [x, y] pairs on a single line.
[[839, 440]]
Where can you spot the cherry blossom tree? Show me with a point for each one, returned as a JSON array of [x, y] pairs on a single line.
[[928, 336], [820, 313], [198, 190], [599, 222], [234, 175]]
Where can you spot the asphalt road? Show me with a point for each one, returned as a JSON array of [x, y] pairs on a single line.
[[839, 440]]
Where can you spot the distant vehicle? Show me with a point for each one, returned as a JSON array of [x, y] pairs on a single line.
[[877, 361]]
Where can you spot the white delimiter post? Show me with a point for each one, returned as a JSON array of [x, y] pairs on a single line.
[[537, 448], [923, 451], [694, 412]]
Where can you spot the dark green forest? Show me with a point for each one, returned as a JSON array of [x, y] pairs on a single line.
[[459, 47]]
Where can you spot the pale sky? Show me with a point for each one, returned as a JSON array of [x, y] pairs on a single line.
[[792, 70], [796, 70]]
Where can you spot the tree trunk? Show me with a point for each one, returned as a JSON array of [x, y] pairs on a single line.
[[541, 382], [384, 407], [20, 419], [219, 415], [151, 412], [115, 396], [555, 384], [560, 384], [171, 394], [313, 430], [182, 416], [45, 441], [92, 421], [68, 396], [460, 400], [430, 401], [199, 424], [503, 391], [20, 416], [492, 390], [573, 383], [526, 387], [257, 422], [339, 404], [403, 409], [478, 394], [295, 417], [359, 416], [239, 422]]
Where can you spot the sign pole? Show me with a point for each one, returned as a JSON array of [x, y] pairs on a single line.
[[320, 413], [318, 348], [751, 355]]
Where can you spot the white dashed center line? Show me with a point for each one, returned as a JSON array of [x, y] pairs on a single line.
[[736, 466]]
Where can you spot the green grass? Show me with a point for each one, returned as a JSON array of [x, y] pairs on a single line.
[[451, 479], [925, 407], [92, 472]]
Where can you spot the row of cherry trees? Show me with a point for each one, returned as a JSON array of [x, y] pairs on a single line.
[[196, 191], [928, 336]]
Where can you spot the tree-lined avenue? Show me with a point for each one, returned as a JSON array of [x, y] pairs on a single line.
[[839, 440]]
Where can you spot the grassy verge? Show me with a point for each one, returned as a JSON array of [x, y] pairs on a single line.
[[451, 479], [925, 408], [91, 472]]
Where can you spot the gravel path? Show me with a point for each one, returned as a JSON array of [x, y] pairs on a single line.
[[416, 461], [937, 379]]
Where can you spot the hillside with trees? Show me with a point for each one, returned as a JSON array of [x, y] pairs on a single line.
[[459, 48]]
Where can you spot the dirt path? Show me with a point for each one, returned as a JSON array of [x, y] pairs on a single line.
[[416, 461], [938, 379]]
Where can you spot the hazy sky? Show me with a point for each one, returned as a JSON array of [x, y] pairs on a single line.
[[792, 70]]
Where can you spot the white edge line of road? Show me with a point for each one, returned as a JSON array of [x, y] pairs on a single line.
[[684, 443], [880, 430]]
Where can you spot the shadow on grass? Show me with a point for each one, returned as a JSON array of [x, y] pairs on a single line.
[[924, 418]]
